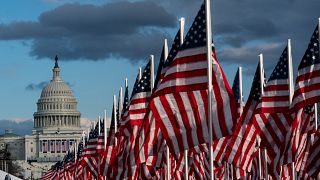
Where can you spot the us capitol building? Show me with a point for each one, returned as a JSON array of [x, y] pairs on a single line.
[[56, 125]]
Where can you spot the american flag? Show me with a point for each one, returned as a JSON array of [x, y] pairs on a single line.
[[307, 88], [100, 145], [243, 141], [107, 161], [165, 63], [237, 92], [180, 102], [89, 152], [273, 119], [313, 163], [79, 166], [137, 110], [306, 93], [276, 97], [150, 143]]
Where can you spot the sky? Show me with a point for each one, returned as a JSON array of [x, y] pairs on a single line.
[[101, 42]]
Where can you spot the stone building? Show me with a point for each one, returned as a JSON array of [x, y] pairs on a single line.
[[56, 126]]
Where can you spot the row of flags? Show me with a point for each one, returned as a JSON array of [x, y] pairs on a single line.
[[163, 130]]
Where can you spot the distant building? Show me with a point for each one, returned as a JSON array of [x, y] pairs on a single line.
[[56, 125]]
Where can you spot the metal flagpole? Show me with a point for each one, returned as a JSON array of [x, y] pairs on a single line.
[[209, 58], [152, 71], [240, 90], [261, 87], [266, 163], [120, 103], [291, 90], [115, 116], [105, 129], [316, 106], [140, 74]]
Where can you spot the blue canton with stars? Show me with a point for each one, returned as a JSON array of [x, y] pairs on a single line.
[[80, 149], [196, 36], [125, 101], [235, 86], [173, 51], [94, 133], [102, 126], [160, 66], [282, 69], [308, 109], [144, 85], [112, 124], [311, 56], [255, 91]]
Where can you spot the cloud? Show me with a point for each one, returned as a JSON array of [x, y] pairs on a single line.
[[41, 85], [82, 31], [243, 29], [86, 123], [19, 126], [133, 30], [38, 86]]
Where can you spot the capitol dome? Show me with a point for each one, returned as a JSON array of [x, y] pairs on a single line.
[[56, 107]]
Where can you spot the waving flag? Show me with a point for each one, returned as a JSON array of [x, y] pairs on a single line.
[[242, 142], [89, 152], [307, 88], [180, 103]]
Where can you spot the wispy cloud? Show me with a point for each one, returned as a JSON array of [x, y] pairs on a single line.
[[38, 86], [41, 85]]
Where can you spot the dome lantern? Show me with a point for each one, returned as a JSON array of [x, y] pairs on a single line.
[[56, 70]]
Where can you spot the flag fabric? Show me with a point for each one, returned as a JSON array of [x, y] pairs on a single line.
[[138, 107], [100, 145], [108, 156], [313, 163], [180, 103], [79, 166], [273, 119], [237, 93], [243, 142], [307, 88], [89, 152]]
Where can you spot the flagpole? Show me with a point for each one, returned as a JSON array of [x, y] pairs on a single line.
[[75, 152], [151, 71], [266, 162], [165, 53], [261, 87], [105, 130], [115, 117], [140, 74], [240, 89], [291, 88], [120, 103], [209, 59], [115, 113], [316, 106]]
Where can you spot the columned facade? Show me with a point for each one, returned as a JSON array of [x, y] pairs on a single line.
[[56, 121]]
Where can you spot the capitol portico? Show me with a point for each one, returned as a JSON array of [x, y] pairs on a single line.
[[56, 125]]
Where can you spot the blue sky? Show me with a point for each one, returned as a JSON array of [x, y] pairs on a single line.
[[100, 43]]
